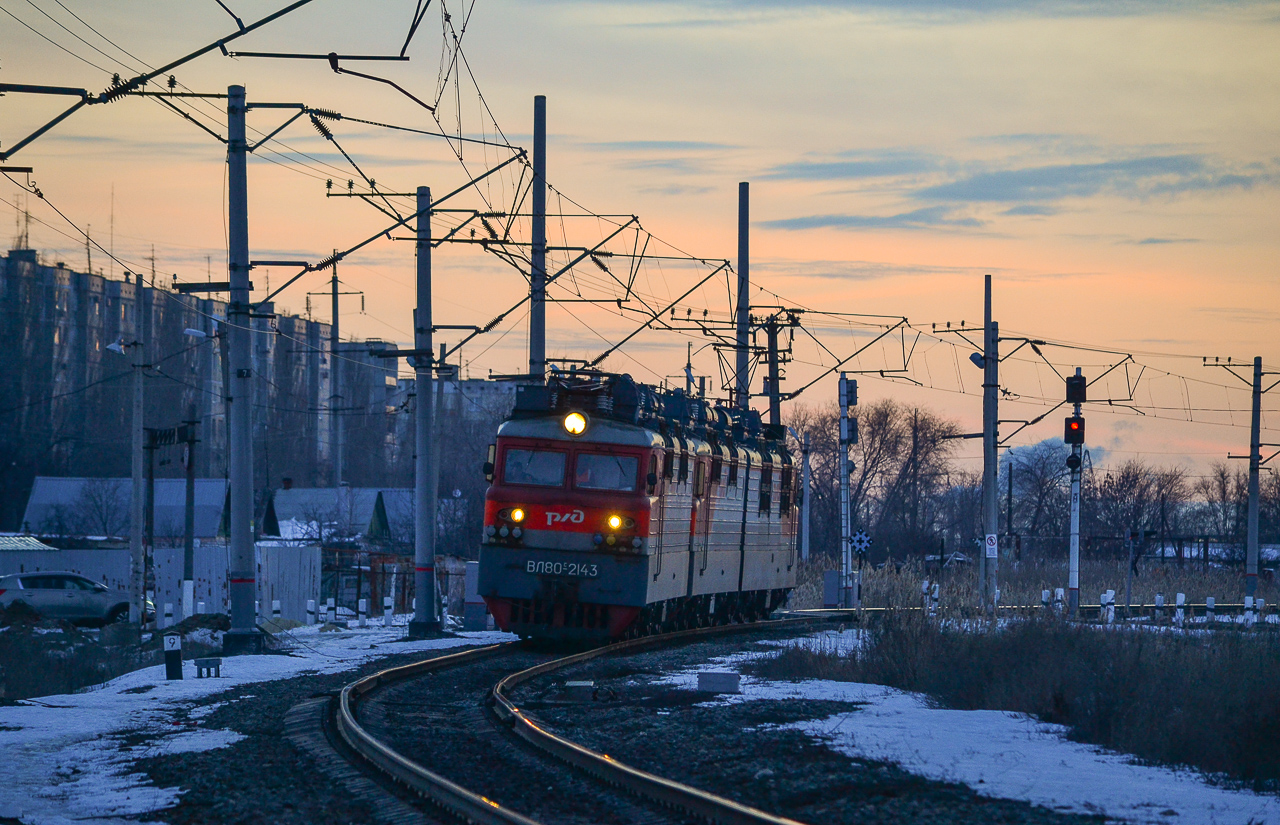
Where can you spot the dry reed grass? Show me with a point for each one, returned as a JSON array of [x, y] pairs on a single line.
[[1021, 584], [1208, 700]]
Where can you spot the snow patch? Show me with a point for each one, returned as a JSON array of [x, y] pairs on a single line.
[[998, 754], [64, 761]]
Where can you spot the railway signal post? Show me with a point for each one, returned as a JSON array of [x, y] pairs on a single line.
[[1073, 435], [848, 437]]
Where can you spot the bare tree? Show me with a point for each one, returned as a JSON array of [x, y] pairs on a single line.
[[101, 508]]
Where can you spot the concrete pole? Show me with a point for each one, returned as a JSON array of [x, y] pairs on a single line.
[[846, 516], [1073, 564], [242, 575], [775, 394], [137, 515], [804, 505], [743, 314], [335, 393], [1255, 461], [990, 466], [433, 487], [189, 519], [426, 617], [538, 253]]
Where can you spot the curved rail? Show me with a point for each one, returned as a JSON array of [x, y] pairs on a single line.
[[454, 798], [696, 802], [472, 807]]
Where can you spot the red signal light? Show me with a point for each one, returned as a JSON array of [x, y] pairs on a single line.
[[1074, 432]]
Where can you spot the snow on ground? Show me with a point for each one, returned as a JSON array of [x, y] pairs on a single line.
[[64, 757], [998, 754]]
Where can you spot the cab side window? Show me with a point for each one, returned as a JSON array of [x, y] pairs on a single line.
[[766, 488]]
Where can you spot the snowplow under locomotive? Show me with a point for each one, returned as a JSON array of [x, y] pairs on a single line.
[[618, 509]]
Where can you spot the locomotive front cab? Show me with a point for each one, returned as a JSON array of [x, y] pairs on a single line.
[[566, 525]]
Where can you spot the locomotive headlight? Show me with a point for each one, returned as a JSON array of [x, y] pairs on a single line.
[[575, 423], [615, 522], [517, 515]]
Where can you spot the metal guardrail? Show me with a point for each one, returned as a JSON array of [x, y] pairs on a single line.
[[1196, 609], [472, 807]]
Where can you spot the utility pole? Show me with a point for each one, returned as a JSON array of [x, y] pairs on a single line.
[[426, 617], [335, 393], [1255, 461], [137, 557], [775, 395], [1255, 464], [189, 516], [1074, 436], [242, 575], [742, 393], [538, 252], [804, 503], [990, 416], [151, 444]]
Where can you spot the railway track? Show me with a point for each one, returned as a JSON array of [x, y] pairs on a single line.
[[489, 745]]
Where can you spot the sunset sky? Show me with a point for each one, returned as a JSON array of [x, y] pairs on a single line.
[[1115, 166]]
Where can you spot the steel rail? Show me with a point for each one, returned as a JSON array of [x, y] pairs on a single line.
[[699, 803], [474, 808], [468, 806]]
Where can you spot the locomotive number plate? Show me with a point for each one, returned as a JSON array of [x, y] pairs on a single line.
[[562, 568]]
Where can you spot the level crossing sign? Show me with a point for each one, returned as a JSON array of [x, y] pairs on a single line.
[[861, 542]]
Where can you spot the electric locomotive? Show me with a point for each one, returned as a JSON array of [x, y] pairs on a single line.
[[617, 509]]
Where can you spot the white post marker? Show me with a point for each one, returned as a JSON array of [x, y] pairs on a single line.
[[1248, 611], [188, 598], [1180, 613], [1210, 609], [362, 608], [1044, 598], [388, 611], [1059, 598], [311, 611], [1159, 605], [331, 613], [933, 604], [275, 610], [924, 594]]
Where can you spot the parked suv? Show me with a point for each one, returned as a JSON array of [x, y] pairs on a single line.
[[67, 596]]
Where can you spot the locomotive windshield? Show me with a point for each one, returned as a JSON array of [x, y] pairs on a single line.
[[595, 471], [540, 468]]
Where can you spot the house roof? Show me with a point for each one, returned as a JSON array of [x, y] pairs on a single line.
[[19, 543], [347, 510], [101, 506]]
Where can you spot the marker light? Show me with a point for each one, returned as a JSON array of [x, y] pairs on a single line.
[[575, 423], [517, 515], [615, 522]]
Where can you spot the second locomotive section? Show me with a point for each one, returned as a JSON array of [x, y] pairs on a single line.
[[617, 509]]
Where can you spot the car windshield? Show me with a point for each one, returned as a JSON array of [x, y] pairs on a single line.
[[595, 471], [540, 468]]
